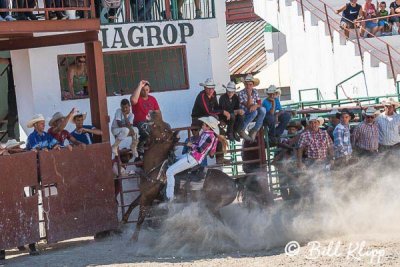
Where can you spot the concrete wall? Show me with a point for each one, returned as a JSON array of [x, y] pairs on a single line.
[[38, 87], [312, 64]]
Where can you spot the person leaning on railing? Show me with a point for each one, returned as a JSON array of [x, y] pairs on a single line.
[[57, 14], [395, 9], [28, 15], [351, 12]]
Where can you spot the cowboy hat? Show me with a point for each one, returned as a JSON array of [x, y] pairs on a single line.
[[212, 122], [230, 87], [333, 112], [314, 117], [250, 78], [294, 124], [390, 102], [79, 114], [12, 143], [36, 118], [56, 117], [209, 83], [345, 111], [370, 111], [272, 89]]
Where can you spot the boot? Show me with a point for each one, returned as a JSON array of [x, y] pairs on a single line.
[[2, 254], [134, 146], [32, 250], [245, 136], [236, 136], [115, 147], [253, 134]]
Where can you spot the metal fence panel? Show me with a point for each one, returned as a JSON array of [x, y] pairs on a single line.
[[19, 220], [78, 192]]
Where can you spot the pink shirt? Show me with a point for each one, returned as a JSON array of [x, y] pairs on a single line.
[[207, 143]]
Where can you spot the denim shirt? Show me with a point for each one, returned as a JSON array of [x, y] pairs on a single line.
[[342, 143]]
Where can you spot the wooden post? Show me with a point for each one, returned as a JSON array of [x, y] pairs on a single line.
[[391, 64], [329, 26], [97, 89]]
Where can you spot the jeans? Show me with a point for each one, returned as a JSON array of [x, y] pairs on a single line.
[[185, 162], [258, 115], [270, 120]]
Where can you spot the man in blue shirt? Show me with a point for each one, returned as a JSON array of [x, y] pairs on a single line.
[[84, 133], [274, 112], [39, 139]]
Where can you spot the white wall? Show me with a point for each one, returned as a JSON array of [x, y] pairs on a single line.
[[38, 87], [312, 64]]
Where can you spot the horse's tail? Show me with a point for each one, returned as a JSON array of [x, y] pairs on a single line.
[[224, 142]]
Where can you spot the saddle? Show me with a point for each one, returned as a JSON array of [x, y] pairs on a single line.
[[192, 179]]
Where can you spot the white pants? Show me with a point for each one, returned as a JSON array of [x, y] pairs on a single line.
[[123, 132], [185, 162]]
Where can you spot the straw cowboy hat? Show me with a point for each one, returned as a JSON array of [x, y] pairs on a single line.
[[79, 114], [345, 111], [212, 122], [370, 111], [250, 78], [35, 119], [314, 117], [390, 102], [271, 89], [333, 112], [230, 87], [209, 83], [294, 124], [56, 117]]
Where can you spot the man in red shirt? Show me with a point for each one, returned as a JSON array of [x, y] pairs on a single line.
[[142, 103], [57, 129]]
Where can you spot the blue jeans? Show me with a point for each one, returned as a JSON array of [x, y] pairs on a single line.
[[270, 121], [258, 115]]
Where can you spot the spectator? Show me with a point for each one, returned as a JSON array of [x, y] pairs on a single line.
[[197, 10], [388, 125], [39, 139], [57, 129], [5, 16], [77, 79], [28, 14], [142, 102], [274, 113], [57, 14], [206, 103], [250, 102], [333, 121], [84, 133], [383, 24], [230, 102], [369, 12], [122, 128], [365, 137], [341, 137], [395, 9], [316, 143], [351, 12]]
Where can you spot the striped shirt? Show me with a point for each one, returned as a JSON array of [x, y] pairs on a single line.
[[366, 136], [207, 143], [388, 129], [341, 140], [316, 143]]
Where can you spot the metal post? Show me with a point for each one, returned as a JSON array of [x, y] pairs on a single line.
[[329, 26], [391, 64], [302, 13], [359, 46]]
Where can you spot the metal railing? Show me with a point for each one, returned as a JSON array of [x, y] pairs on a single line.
[[328, 15]]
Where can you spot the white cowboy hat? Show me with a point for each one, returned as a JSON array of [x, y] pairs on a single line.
[[35, 119], [390, 102], [79, 114], [333, 112], [230, 87], [314, 117], [209, 83], [212, 122], [271, 89], [370, 111], [12, 143], [56, 117]]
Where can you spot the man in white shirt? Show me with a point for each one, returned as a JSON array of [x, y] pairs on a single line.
[[388, 125], [122, 127]]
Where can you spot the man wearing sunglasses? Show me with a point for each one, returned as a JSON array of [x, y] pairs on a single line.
[[365, 137]]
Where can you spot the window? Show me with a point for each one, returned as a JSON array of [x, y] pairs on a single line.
[[164, 68], [285, 93]]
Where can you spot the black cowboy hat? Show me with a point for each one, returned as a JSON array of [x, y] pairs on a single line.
[[294, 124], [345, 111]]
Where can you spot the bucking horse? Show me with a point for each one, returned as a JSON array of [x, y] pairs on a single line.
[[219, 189]]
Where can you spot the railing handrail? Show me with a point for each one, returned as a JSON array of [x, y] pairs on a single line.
[[378, 51]]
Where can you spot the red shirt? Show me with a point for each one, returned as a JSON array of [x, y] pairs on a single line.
[[142, 108], [61, 136]]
